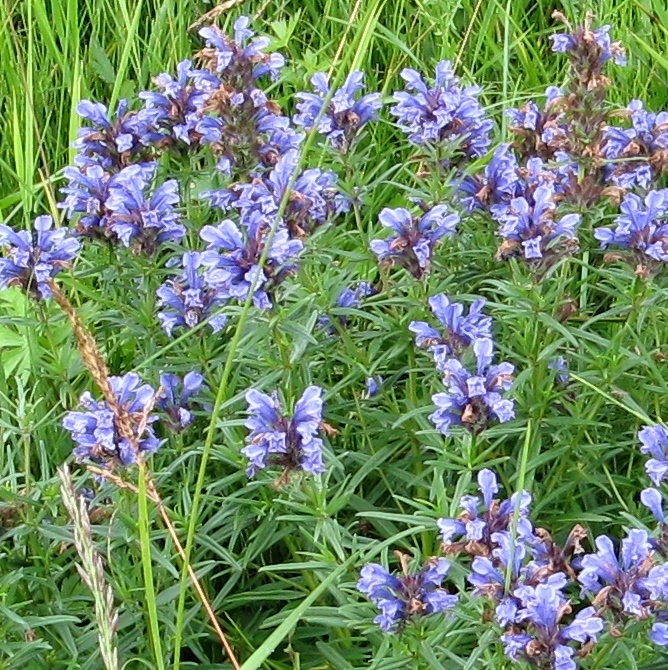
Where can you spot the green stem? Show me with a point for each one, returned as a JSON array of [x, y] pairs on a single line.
[[147, 566]]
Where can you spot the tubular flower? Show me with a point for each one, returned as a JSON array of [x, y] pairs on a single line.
[[459, 331], [413, 244], [446, 114], [410, 595], [346, 113], [472, 400], [34, 258], [279, 440], [189, 299], [97, 430], [175, 398], [654, 440]]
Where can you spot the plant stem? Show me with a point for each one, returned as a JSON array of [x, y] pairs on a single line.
[[147, 567]]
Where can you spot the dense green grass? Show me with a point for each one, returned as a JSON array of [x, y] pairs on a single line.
[[269, 558]]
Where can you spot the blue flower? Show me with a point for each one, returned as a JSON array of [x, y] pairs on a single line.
[[346, 113], [592, 48], [373, 386], [653, 500], [530, 228], [413, 244], [233, 254], [189, 299], [175, 398], [654, 440], [498, 183], [560, 367], [180, 102], [279, 440], [97, 432], [446, 114], [460, 331], [474, 399], [639, 152], [238, 60], [473, 530], [350, 298], [641, 227], [115, 143], [545, 642], [411, 595], [141, 220], [624, 578], [33, 259]]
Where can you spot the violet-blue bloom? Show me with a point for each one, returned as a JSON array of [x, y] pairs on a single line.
[[241, 60], [189, 299], [546, 640], [653, 500], [414, 240], [473, 530], [96, 429], [445, 114], [639, 153], [625, 577], [276, 439], [459, 331], [180, 102], [530, 228], [350, 297], [34, 258], [140, 219], [373, 385], [410, 595], [233, 255], [115, 143], [176, 398], [497, 184], [474, 399], [654, 440], [591, 45], [346, 113], [642, 226]]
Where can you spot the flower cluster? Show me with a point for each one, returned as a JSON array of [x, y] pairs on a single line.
[[414, 240], [190, 298], [34, 258], [175, 398], [471, 400], [638, 155], [402, 598], [345, 114], [115, 435], [642, 228], [530, 228], [291, 443], [447, 117]]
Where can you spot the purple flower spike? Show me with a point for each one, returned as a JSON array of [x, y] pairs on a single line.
[[96, 430], [459, 331], [445, 115], [625, 577], [408, 596], [589, 48], [642, 228], [190, 298], [115, 143], [473, 400], [529, 228], [654, 440], [34, 258], [176, 398], [279, 440], [141, 220], [413, 244], [239, 61], [180, 102], [346, 113], [639, 153]]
